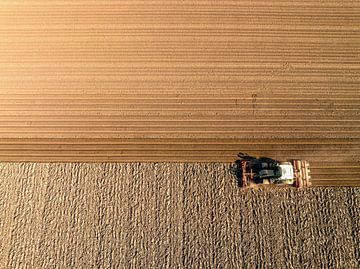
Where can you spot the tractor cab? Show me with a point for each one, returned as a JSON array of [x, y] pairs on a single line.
[[286, 172]]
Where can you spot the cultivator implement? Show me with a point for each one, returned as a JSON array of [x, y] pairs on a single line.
[[302, 174]]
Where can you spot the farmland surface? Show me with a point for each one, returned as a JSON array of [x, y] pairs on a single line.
[[188, 84], [182, 81], [169, 215]]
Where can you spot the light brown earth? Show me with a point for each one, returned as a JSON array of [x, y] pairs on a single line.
[[182, 81], [169, 216], [177, 81]]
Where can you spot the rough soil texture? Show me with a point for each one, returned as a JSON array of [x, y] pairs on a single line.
[[169, 216], [182, 81]]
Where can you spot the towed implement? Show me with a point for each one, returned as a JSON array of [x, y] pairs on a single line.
[[251, 171]]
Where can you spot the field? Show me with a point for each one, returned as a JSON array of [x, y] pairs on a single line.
[[119, 120], [182, 81], [168, 216]]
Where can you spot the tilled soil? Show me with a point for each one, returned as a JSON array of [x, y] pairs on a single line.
[[162, 215]]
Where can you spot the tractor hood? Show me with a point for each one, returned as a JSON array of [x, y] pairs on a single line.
[[287, 171]]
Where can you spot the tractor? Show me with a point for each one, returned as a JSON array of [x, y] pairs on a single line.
[[251, 171]]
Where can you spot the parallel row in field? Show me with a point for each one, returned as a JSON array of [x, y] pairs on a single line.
[[182, 81]]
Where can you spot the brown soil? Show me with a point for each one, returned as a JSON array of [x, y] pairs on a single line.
[[169, 216], [182, 81]]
